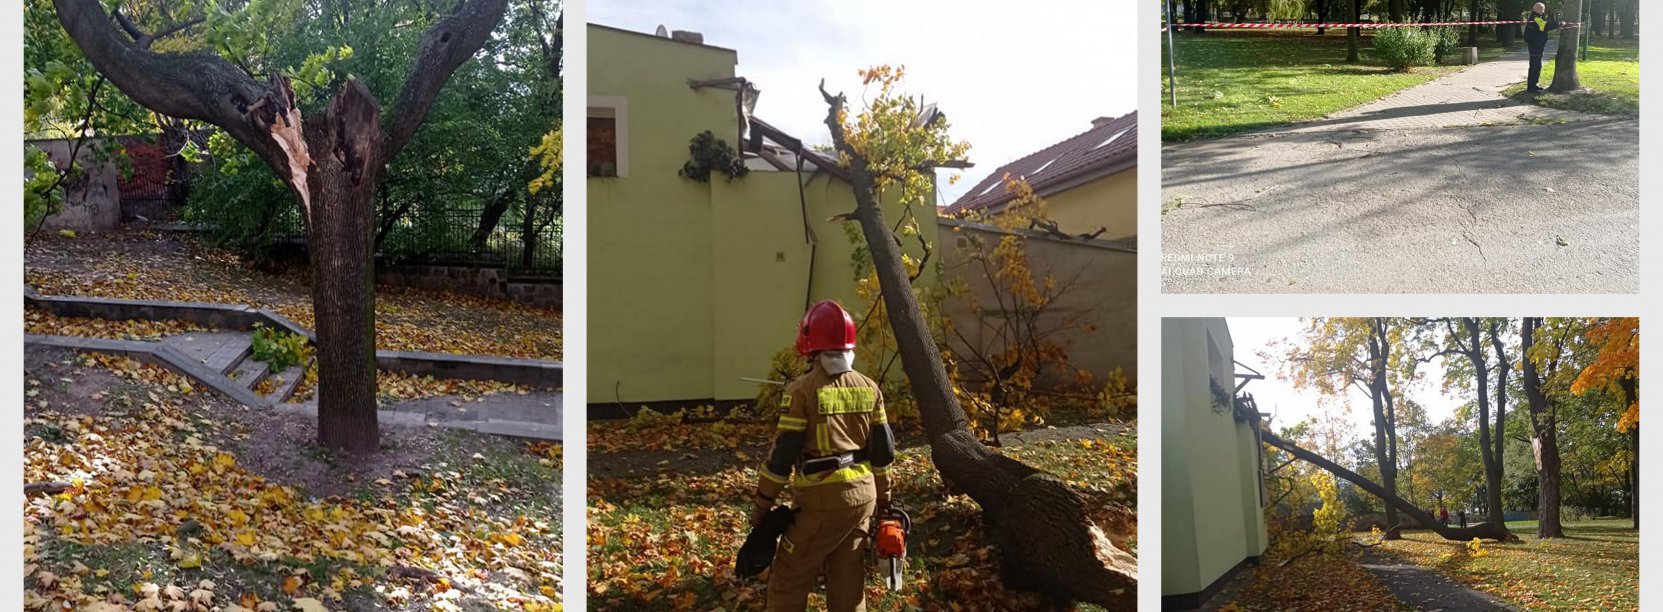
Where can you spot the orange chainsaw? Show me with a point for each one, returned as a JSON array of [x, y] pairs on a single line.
[[890, 527]]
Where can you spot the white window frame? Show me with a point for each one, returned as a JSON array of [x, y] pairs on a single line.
[[617, 107]]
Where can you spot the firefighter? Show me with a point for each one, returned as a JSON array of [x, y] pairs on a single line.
[[832, 446], [1536, 28]]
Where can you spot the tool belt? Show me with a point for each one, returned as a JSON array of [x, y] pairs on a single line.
[[818, 465]]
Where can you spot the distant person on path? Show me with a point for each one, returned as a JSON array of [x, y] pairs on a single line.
[[1443, 515], [1462, 514], [1536, 28]]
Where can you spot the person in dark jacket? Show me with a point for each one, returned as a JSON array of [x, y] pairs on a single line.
[[1536, 28]]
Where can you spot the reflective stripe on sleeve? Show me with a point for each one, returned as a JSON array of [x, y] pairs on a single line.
[[791, 423]]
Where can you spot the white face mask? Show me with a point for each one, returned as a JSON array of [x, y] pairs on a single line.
[[837, 362]]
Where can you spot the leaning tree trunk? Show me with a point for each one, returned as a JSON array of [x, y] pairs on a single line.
[[1490, 530], [1047, 541], [1564, 60]]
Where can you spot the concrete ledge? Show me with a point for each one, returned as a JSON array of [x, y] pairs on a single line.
[[219, 316], [534, 372], [158, 354]]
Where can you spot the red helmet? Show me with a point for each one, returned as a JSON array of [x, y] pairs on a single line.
[[826, 327]]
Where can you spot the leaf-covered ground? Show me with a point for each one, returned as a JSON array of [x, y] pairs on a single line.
[[1596, 567], [176, 500], [393, 387], [1236, 81], [142, 264], [1314, 583], [668, 506]]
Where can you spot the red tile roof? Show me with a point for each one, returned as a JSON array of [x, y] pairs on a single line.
[[1109, 143]]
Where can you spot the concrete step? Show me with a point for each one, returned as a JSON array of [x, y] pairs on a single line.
[[287, 381], [230, 354], [218, 350], [249, 373]]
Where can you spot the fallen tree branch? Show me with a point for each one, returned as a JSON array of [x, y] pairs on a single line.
[[47, 488]]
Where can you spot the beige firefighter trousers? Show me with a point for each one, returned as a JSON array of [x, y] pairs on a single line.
[[828, 537]]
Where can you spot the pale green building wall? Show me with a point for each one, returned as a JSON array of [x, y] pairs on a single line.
[[693, 286], [1211, 518]]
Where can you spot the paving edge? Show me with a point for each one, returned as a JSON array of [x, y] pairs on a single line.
[[532, 372], [158, 354]]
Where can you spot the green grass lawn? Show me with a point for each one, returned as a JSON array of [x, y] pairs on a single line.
[[1596, 567], [1236, 81], [1611, 75], [667, 540]]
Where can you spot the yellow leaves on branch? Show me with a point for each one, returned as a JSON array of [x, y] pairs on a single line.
[[1616, 363], [897, 146], [548, 157]]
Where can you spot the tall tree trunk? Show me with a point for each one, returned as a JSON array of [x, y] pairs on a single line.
[[1544, 439], [1488, 530], [1564, 59], [1504, 365], [1491, 455], [1395, 9], [1046, 539], [1634, 476], [1505, 34], [1626, 16], [1385, 419], [340, 238], [174, 137], [1354, 36]]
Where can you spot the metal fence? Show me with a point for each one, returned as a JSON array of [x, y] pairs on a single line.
[[448, 237]]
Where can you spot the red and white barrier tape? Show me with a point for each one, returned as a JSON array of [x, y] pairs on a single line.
[[1365, 26]]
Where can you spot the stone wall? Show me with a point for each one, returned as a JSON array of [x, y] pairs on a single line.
[[1103, 296], [487, 282], [92, 203]]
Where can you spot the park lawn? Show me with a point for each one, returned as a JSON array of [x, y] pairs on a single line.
[[1596, 567], [666, 539], [148, 265], [1611, 76], [178, 500], [1237, 81]]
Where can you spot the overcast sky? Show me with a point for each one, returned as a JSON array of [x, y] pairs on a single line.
[[1012, 78], [1276, 394]]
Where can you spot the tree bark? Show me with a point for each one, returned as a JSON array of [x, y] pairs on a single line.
[[1564, 59], [1544, 440], [332, 166], [1047, 542], [343, 266], [1385, 422], [1354, 36], [1490, 530], [1505, 34]]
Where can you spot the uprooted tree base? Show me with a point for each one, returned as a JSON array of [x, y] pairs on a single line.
[[1489, 530], [1047, 542]]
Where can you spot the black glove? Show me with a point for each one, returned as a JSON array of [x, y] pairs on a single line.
[[759, 508]]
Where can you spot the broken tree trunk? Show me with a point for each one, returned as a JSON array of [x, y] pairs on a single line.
[[1047, 541], [332, 165], [1488, 530]]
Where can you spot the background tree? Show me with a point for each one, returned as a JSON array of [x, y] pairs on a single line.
[[332, 165], [1550, 350], [1015, 357], [1564, 62], [1466, 337], [1338, 355], [1047, 541], [1615, 367]]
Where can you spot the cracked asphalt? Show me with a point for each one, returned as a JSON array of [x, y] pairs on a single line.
[[1381, 199]]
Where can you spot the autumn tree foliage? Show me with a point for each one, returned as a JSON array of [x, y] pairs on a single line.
[[1615, 368], [1014, 365], [329, 149], [1047, 540]]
